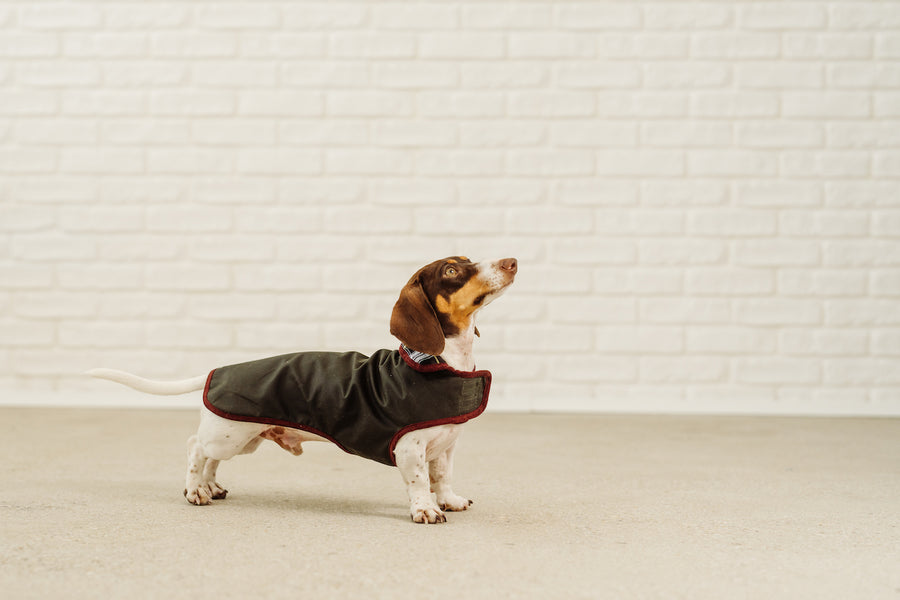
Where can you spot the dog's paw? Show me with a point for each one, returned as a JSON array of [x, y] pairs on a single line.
[[454, 503], [427, 513], [217, 492], [199, 496]]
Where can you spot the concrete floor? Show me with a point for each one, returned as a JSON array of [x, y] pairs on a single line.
[[565, 507]]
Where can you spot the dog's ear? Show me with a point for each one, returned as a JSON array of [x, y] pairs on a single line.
[[414, 322]]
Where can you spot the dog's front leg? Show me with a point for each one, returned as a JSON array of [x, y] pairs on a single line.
[[410, 455], [441, 471]]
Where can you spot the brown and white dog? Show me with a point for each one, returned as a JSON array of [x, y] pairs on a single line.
[[434, 315]]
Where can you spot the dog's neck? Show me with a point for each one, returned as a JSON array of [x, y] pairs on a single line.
[[458, 349]]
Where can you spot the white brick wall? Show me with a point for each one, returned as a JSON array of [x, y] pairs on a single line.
[[704, 197]]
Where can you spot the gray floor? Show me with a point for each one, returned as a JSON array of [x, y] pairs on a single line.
[[565, 507]]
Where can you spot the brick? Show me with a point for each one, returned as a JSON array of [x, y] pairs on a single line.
[[778, 311], [886, 282], [416, 76], [464, 163], [862, 312], [55, 131], [549, 221], [187, 218], [782, 16], [101, 160], [504, 76], [639, 339], [692, 75], [683, 369], [336, 191], [551, 104], [30, 102], [886, 164], [188, 335], [368, 104], [886, 223], [100, 276], [191, 160], [780, 134], [463, 104], [53, 247], [193, 44], [875, 16], [24, 333], [196, 102], [467, 46], [545, 338], [776, 252], [360, 277], [233, 131], [490, 192], [100, 334], [23, 276], [236, 16], [731, 162], [578, 368], [729, 281], [775, 75], [886, 342], [777, 370], [365, 219], [142, 305], [593, 192], [862, 74], [232, 249], [363, 161], [458, 222], [181, 277], [732, 45], [323, 16], [823, 342], [807, 164], [506, 133], [283, 45], [826, 45], [683, 193], [598, 16], [415, 16], [412, 192], [862, 194], [233, 74], [592, 251], [596, 75], [556, 162], [27, 44], [685, 133], [54, 305], [682, 16], [279, 160], [27, 160], [853, 253], [732, 222], [144, 16], [685, 310], [117, 219], [560, 279], [730, 340], [21, 218], [862, 371], [734, 104], [641, 163], [819, 105], [820, 282], [506, 16], [592, 310], [59, 16], [551, 45], [232, 307], [365, 44], [823, 223], [414, 133], [271, 338], [695, 252], [883, 134], [283, 103], [323, 74]]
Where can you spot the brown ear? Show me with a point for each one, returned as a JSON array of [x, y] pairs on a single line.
[[413, 320]]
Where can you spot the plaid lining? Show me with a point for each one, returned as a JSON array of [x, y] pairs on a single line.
[[422, 358]]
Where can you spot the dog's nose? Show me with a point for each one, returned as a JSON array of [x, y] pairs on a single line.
[[509, 264]]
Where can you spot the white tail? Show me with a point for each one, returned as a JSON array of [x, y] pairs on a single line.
[[149, 386]]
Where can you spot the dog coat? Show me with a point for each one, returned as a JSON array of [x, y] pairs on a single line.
[[364, 404]]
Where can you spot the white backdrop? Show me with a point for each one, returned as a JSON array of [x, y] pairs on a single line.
[[704, 197]]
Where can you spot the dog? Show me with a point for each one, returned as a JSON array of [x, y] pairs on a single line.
[[403, 407]]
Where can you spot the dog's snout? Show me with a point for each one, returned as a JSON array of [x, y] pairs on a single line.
[[509, 264]]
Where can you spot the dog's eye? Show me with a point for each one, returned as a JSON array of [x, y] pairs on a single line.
[[450, 272]]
